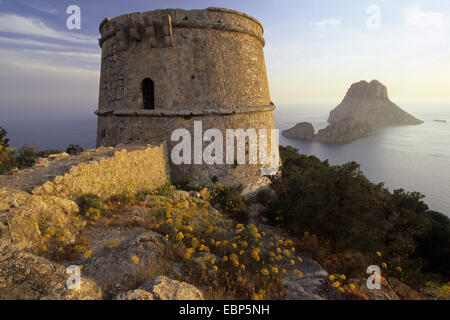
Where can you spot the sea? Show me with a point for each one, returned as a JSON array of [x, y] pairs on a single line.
[[413, 158]]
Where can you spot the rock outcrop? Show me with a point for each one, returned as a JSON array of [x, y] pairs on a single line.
[[163, 288], [365, 107], [26, 276], [345, 130], [302, 130], [369, 102], [110, 263], [24, 218]]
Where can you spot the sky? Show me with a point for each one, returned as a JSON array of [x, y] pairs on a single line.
[[314, 50]]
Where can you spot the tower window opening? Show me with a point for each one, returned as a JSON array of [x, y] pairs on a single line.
[[148, 93]]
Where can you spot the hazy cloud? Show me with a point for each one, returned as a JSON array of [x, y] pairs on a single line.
[[326, 23], [415, 16], [39, 7], [15, 24]]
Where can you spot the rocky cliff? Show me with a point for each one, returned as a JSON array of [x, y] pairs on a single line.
[[369, 102], [303, 130], [345, 130]]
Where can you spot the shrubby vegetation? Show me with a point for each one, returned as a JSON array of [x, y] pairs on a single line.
[[222, 257], [350, 223], [25, 157], [6, 158]]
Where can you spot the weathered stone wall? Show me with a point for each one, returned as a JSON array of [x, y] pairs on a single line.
[[104, 171], [128, 129]]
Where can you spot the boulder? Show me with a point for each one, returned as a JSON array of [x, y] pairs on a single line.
[[29, 277], [163, 288], [111, 263], [137, 294], [24, 218], [309, 286]]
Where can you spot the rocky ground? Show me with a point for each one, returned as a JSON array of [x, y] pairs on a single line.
[[166, 244], [41, 236]]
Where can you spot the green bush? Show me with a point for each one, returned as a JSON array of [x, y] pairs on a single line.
[[7, 158], [229, 200], [26, 156], [46, 153], [348, 213], [124, 198], [74, 149], [89, 201], [165, 191], [264, 197]]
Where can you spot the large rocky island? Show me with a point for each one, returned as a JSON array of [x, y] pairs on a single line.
[[366, 107]]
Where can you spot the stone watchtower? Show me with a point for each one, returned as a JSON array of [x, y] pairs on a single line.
[[162, 70]]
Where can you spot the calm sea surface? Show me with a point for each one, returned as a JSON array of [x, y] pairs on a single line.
[[415, 158]]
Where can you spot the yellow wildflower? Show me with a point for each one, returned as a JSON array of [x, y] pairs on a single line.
[[399, 269], [331, 278], [235, 260], [341, 289], [352, 286], [180, 236], [343, 277], [298, 273], [257, 297], [255, 255], [189, 253], [384, 265], [274, 270], [88, 254], [379, 253], [265, 272], [300, 259], [134, 259], [336, 284]]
